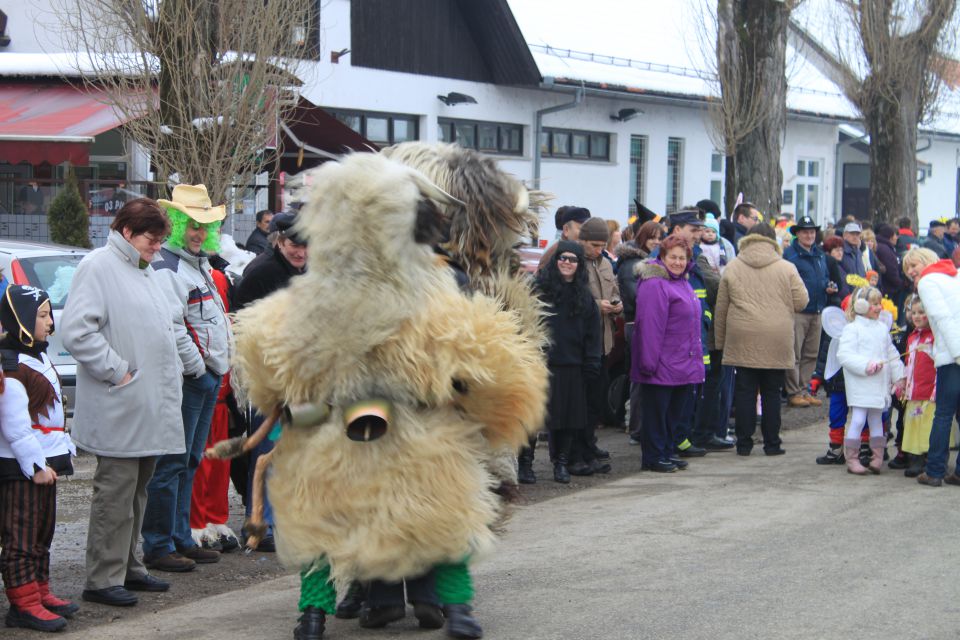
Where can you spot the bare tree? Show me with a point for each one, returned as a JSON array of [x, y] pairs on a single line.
[[202, 84], [890, 74], [748, 61]]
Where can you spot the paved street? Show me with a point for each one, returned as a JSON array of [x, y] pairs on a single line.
[[733, 548]]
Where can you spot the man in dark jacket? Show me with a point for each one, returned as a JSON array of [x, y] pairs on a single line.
[[890, 281], [906, 239], [744, 217], [934, 240], [266, 273], [852, 261], [257, 242], [811, 264]]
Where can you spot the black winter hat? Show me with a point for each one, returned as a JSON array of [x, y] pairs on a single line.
[[710, 207]]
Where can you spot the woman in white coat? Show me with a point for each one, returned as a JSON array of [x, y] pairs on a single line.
[[871, 367]]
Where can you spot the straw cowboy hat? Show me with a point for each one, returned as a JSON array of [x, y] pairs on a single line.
[[192, 199]]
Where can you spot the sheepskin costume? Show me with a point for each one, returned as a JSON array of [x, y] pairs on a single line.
[[374, 317]]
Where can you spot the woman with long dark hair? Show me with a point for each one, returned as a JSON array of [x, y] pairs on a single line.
[[573, 356]]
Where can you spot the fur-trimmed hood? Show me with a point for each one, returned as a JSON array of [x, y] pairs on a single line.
[[653, 268], [759, 251], [630, 251]]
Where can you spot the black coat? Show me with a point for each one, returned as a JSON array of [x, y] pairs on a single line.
[[575, 339], [265, 274], [890, 280]]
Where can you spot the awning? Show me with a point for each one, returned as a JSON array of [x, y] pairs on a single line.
[[51, 123], [311, 126]]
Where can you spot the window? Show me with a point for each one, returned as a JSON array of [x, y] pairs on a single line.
[[381, 128], [808, 188], [638, 171], [716, 178], [674, 174], [489, 137], [581, 145]]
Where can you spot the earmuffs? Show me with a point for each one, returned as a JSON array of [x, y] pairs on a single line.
[[861, 303]]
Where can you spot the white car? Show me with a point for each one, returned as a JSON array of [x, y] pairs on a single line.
[[51, 268]]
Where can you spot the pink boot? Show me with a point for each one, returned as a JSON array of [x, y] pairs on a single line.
[[852, 455], [877, 445]]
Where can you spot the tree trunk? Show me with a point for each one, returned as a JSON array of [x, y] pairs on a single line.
[[762, 34], [893, 160]]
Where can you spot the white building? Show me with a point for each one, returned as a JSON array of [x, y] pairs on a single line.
[[621, 89]]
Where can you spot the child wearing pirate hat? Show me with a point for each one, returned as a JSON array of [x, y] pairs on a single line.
[[34, 451]]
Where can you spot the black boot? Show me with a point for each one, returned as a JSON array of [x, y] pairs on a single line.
[[460, 624], [525, 473], [915, 466], [378, 617], [900, 461], [310, 625], [560, 473], [865, 454], [834, 455], [428, 615], [349, 607]]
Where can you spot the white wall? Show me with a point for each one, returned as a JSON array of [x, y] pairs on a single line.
[[33, 26]]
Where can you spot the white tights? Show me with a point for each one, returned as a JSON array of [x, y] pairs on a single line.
[[859, 416]]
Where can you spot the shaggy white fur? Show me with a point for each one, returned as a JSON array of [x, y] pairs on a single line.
[[374, 317]]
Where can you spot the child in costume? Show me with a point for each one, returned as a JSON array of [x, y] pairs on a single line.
[[920, 391], [871, 366], [34, 452]]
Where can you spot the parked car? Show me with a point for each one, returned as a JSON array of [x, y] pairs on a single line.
[[49, 267], [530, 258]]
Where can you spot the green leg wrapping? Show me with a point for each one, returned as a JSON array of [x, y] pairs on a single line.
[[316, 590], [454, 584]]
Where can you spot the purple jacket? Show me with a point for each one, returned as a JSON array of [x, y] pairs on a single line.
[[666, 347]]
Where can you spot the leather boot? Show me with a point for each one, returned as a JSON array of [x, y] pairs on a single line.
[[852, 455], [54, 604], [877, 448], [27, 611], [349, 607], [310, 625], [460, 622], [915, 467], [560, 472], [525, 474]]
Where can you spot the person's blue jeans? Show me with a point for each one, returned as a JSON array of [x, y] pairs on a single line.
[[948, 399], [166, 521], [266, 446]]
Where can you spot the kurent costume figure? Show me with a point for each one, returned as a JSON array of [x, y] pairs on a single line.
[[413, 387]]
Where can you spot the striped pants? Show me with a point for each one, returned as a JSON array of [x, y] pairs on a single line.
[[28, 513]]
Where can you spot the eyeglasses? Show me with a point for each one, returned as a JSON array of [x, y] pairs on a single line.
[[153, 239], [570, 259]]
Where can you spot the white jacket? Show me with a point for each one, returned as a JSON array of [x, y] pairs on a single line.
[[940, 294], [864, 341], [18, 439]]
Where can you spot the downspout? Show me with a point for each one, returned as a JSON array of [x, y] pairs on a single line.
[[538, 127]]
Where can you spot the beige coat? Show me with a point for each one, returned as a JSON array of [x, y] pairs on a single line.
[[759, 293], [603, 286]]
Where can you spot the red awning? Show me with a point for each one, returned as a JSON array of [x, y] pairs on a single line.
[[315, 127], [51, 123]]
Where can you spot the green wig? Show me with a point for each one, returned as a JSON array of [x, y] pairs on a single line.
[[179, 221]]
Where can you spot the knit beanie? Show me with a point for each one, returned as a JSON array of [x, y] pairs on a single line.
[[595, 230], [711, 222]]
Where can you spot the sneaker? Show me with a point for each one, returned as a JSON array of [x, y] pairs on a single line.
[[692, 452], [634, 442], [660, 466], [930, 481], [834, 455]]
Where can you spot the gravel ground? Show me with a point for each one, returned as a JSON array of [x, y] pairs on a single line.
[[238, 570]]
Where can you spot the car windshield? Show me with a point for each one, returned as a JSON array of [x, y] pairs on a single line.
[[53, 274]]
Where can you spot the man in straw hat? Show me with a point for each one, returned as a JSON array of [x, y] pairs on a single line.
[[203, 338]]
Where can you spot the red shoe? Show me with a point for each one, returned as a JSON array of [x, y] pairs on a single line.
[[27, 611], [57, 605], [815, 384]]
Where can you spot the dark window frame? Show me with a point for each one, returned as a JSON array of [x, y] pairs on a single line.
[[503, 128], [592, 137], [390, 117]]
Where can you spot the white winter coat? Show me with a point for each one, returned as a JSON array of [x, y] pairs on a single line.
[[864, 341], [940, 294]]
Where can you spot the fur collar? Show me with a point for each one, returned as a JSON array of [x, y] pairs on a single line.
[[653, 268], [629, 251]]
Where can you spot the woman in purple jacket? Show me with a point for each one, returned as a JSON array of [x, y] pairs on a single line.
[[667, 355]]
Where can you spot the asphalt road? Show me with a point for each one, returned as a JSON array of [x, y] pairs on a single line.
[[732, 548]]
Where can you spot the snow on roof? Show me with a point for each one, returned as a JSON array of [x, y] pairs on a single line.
[[661, 47], [65, 63]]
